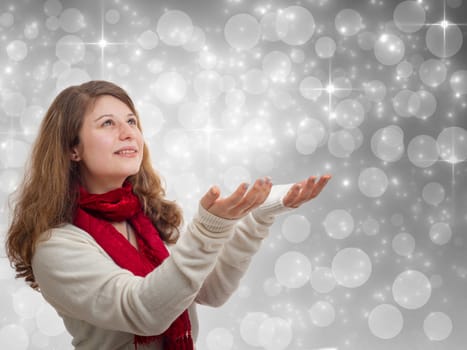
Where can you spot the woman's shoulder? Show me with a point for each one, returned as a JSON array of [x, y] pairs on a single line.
[[66, 234], [66, 240]]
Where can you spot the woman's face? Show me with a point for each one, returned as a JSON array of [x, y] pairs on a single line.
[[111, 145]]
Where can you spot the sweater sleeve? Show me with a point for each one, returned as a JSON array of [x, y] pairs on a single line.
[[237, 253], [79, 279]]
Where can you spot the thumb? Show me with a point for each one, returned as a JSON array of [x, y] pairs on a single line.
[[210, 197]]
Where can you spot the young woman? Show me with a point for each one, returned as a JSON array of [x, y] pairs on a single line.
[[91, 229]]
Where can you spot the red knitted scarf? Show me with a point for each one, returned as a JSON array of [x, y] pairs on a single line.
[[94, 214]]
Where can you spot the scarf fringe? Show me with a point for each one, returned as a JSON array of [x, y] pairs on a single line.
[[181, 343]]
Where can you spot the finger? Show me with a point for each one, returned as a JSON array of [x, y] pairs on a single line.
[[250, 198], [266, 189], [210, 197], [263, 187], [233, 200], [292, 195], [307, 189], [320, 185]]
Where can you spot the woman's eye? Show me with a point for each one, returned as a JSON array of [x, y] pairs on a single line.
[[132, 121], [107, 122]]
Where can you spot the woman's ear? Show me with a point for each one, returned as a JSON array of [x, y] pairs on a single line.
[[74, 155]]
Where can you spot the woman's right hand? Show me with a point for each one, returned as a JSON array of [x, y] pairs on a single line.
[[240, 202]]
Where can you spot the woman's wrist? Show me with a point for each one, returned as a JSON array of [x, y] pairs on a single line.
[[273, 205]]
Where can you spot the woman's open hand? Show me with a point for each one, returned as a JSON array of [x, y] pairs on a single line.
[[304, 191], [240, 202]]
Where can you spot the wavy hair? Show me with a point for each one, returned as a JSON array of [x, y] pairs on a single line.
[[47, 197]]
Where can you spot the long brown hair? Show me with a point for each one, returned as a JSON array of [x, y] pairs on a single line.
[[47, 196]]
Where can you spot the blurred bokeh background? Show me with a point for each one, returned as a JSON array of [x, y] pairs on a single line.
[[373, 92]]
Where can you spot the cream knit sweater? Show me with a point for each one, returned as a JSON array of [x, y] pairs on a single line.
[[103, 305]]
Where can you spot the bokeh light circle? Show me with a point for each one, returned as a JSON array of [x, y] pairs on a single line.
[[72, 20], [175, 28], [348, 22], [53, 7], [275, 333], [272, 287], [373, 182], [13, 104], [388, 143], [406, 103], [370, 226], [207, 60], [17, 50], [325, 47], [389, 49], [72, 76], [322, 280], [26, 302], [385, 321], [458, 82], [277, 66], [440, 233], [433, 193], [255, 81], [70, 49], [310, 88], [235, 98], [423, 151], [176, 143], [148, 40], [404, 69], [444, 40], [296, 228], [295, 25], [403, 244], [292, 269], [452, 143], [433, 72], [305, 144], [14, 152], [207, 84], [48, 321], [297, 55], [437, 326], [312, 128], [197, 40], [423, 104], [411, 289], [339, 224], [193, 115], [375, 90], [112, 16], [170, 87], [249, 327], [219, 339], [341, 143], [351, 267], [409, 16], [242, 31], [152, 119], [14, 337], [236, 175], [322, 313], [349, 113]]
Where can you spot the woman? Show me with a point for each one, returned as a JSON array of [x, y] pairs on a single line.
[[91, 227]]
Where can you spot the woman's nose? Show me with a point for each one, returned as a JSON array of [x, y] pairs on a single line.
[[126, 131]]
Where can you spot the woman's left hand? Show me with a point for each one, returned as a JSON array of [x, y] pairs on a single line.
[[304, 191]]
